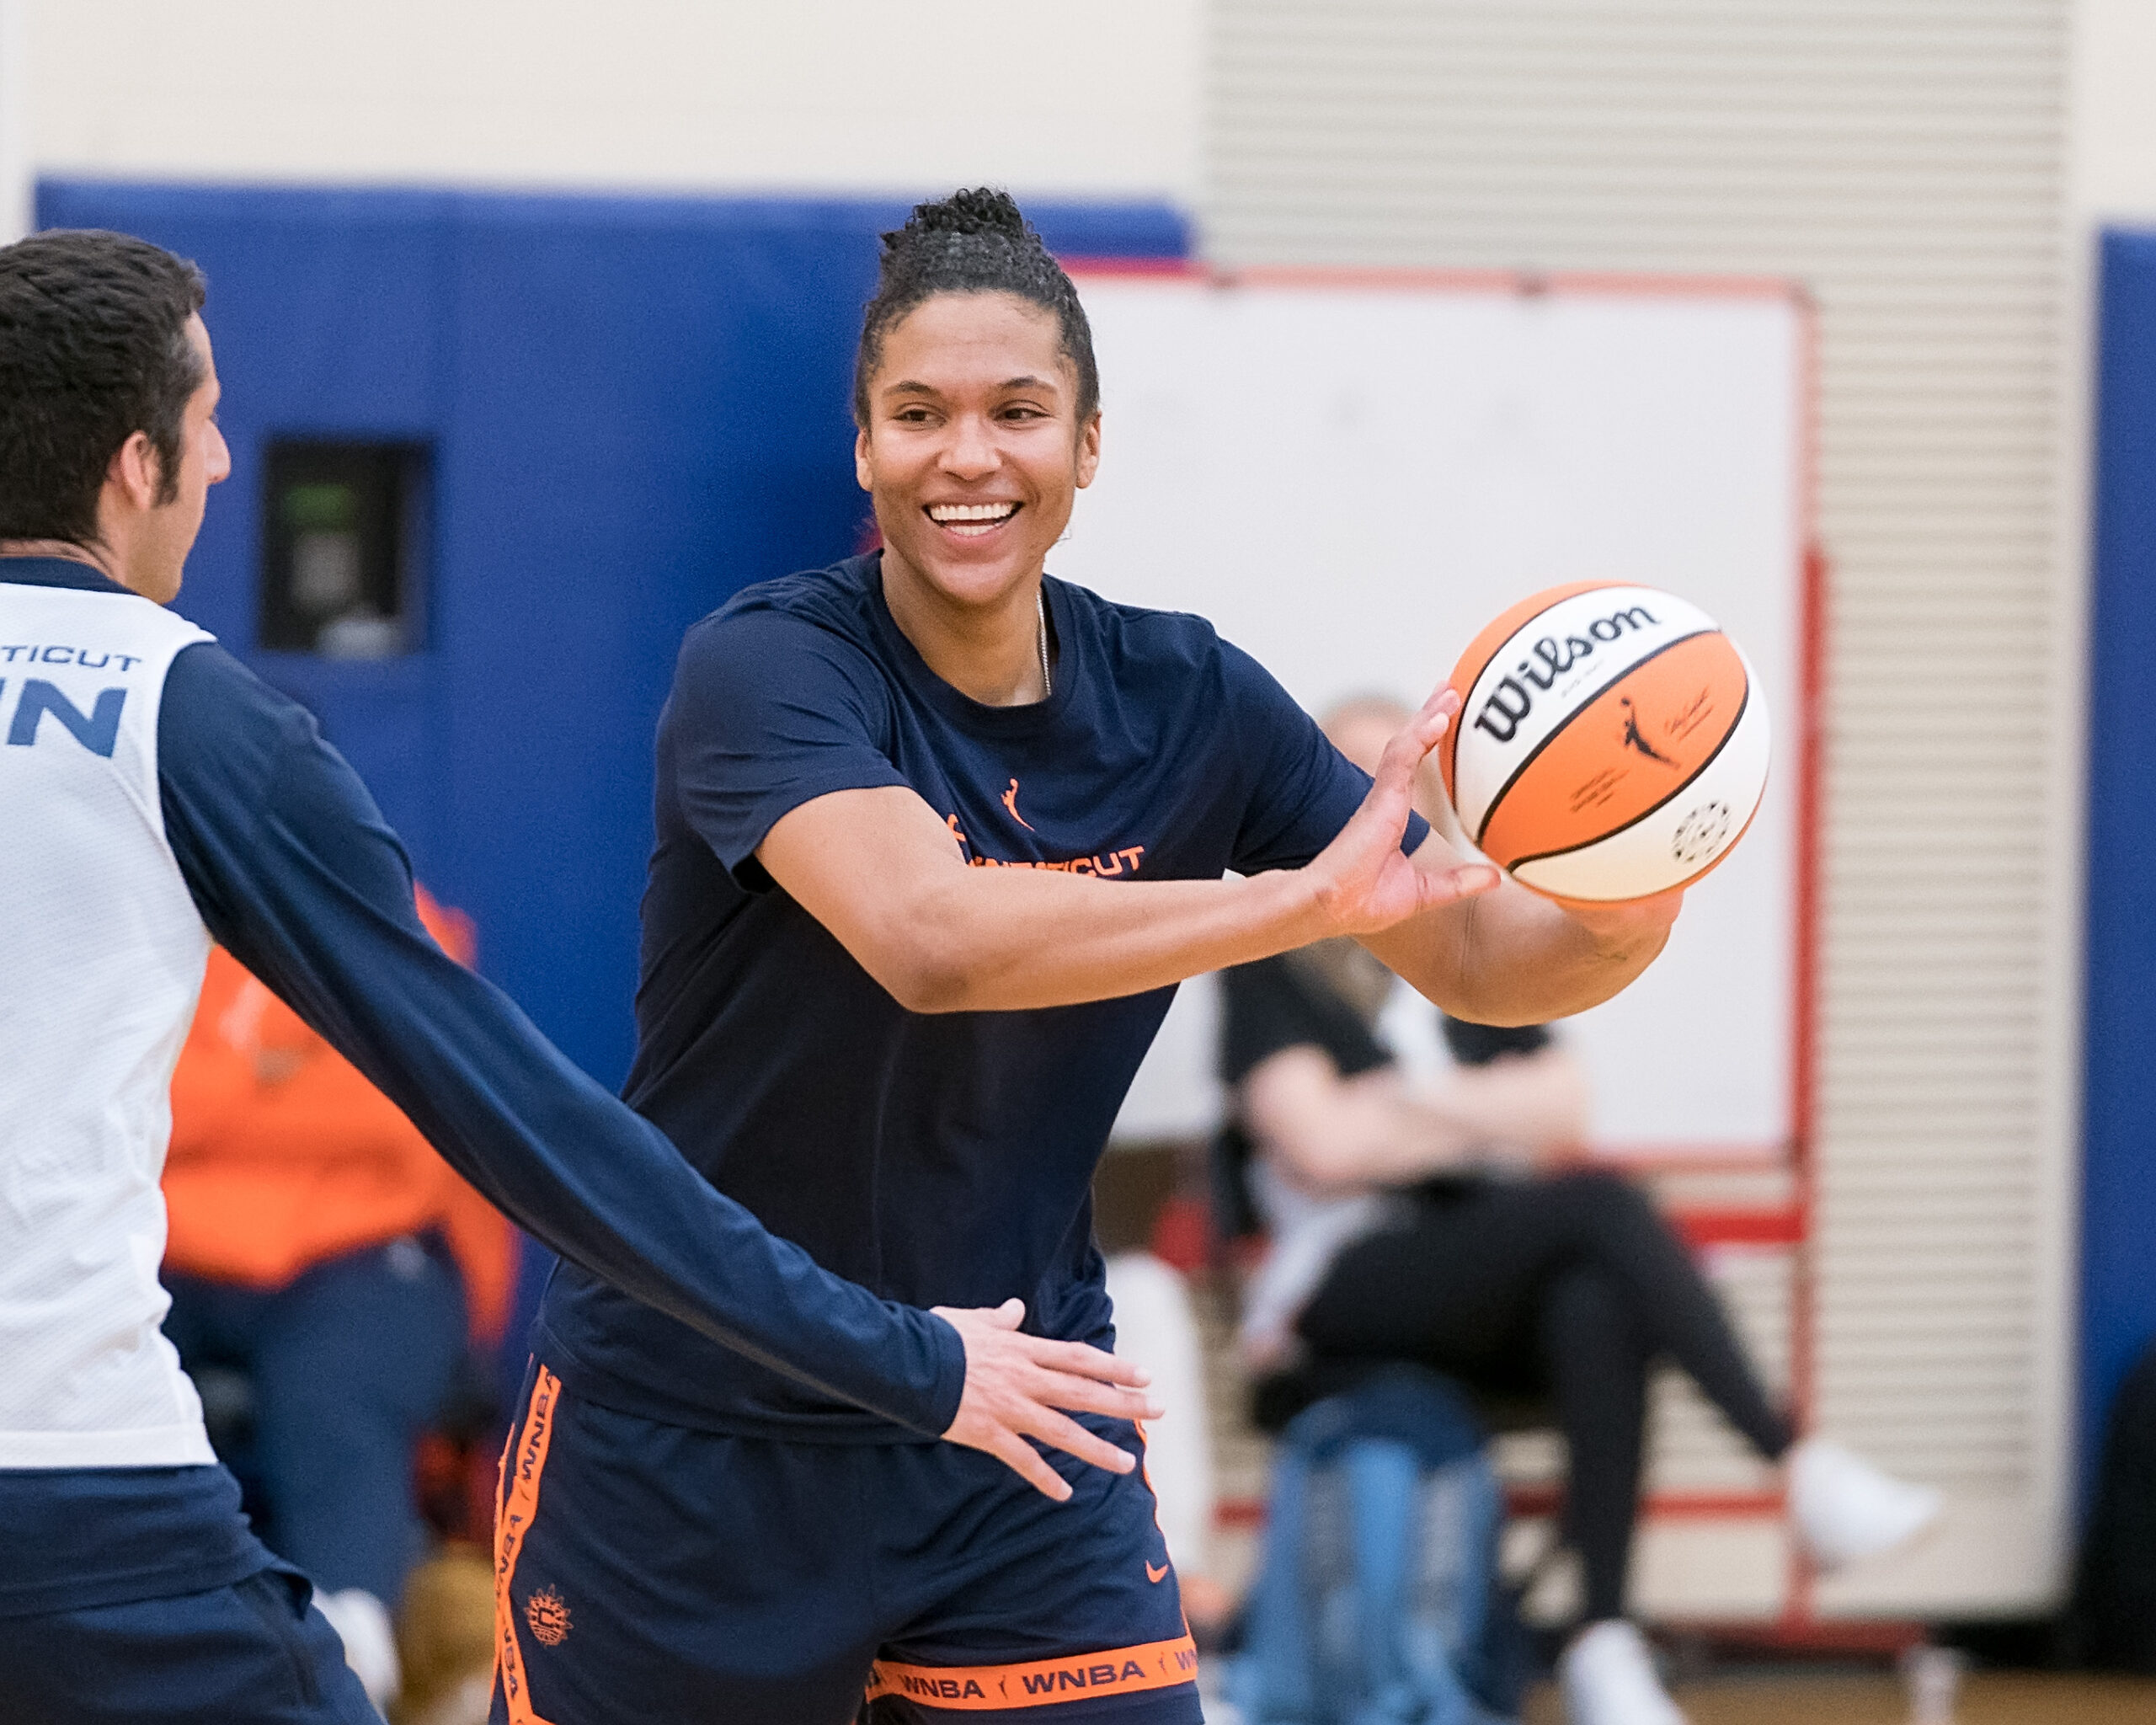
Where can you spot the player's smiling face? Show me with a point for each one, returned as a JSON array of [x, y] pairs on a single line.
[[973, 450]]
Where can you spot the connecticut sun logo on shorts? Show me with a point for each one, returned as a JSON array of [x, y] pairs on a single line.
[[548, 1614]]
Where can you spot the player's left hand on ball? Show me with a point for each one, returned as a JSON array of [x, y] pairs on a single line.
[[1364, 882], [1017, 1384]]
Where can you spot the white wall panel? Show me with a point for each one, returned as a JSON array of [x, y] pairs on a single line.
[[847, 95], [1907, 159], [1350, 480], [2113, 176], [15, 159]]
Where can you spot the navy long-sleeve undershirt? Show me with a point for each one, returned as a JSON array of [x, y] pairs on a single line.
[[297, 874]]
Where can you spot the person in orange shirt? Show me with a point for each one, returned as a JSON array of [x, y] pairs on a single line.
[[321, 1249]]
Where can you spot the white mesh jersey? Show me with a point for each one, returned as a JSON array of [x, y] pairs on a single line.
[[101, 956]]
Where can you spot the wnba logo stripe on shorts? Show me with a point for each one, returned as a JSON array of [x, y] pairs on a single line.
[[1161, 1664], [522, 1463]]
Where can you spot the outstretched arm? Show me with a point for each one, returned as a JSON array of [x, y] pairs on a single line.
[[879, 869], [296, 875]]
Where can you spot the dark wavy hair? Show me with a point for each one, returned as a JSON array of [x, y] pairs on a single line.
[[94, 348], [977, 241]]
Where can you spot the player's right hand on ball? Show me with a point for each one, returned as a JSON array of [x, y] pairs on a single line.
[[1016, 1386], [1364, 883]]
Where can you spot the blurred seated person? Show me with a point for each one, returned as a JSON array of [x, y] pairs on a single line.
[[1446, 1219], [320, 1249]]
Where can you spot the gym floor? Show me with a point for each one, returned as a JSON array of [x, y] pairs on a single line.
[[1990, 1698]]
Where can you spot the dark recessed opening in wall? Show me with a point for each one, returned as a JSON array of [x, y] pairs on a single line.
[[344, 547]]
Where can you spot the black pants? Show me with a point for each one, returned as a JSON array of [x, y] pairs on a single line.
[[1570, 1287]]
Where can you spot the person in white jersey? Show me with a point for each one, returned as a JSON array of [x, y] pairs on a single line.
[[156, 796]]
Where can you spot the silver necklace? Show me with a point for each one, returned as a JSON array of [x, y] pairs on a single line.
[[1047, 678]]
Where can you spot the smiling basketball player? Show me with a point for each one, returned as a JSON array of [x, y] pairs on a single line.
[[937, 835]]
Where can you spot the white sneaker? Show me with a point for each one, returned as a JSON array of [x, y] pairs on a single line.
[[1607, 1677], [1845, 1509], [362, 1624]]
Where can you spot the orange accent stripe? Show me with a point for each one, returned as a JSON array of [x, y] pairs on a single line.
[[1044, 1683], [519, 1503], [1146, 1473]]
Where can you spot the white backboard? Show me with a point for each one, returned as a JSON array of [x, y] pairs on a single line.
[[1350, 477]]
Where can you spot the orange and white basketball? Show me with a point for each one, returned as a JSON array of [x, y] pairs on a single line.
[[1612, 743]]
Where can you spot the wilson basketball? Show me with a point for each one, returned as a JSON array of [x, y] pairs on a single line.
[[1612, 742]]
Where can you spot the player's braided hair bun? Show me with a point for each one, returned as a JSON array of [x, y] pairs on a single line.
[[977, 210], [976, 241]]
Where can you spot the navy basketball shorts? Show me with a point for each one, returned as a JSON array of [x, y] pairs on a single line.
[[647, 1570], [254, 1653]]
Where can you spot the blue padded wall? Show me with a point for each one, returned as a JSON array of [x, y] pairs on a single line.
[[2118, 1266], [637, 407]]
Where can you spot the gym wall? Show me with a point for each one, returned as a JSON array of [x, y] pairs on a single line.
[[1908, 161], [834, 95]]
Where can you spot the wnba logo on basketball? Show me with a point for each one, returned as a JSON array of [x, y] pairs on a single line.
[[1509, 703], [1618, 745]]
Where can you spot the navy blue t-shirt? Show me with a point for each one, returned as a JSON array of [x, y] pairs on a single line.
[[939, 1159]]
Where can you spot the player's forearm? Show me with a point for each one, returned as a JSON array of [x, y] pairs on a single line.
[[1005, 940], [1012, 939], [883, 874], [1512, 957]]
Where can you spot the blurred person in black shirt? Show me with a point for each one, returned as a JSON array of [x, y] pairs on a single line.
[[1447, 1217]]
